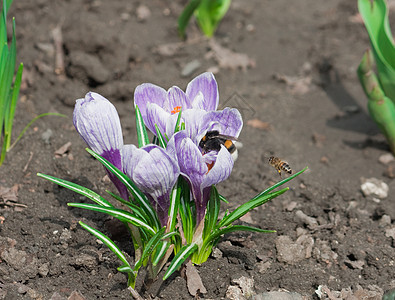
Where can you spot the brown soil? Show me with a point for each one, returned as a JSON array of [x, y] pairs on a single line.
[[317, 117]]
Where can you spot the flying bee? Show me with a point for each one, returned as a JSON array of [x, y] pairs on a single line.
[[213, 141], [279, 165]]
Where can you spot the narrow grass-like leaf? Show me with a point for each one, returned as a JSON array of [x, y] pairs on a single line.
[[186, 15], [11, 113], [160, 253], [177, 127], [142, 136], [31, 123], [246, 207], [223, 199], [213, 207], [78, 189], [150, 247], [133, 207], [161, 139], [120, 214], [285, 180], [180, 257], [186, 211], [137, 194], [173, 208], [113, 247]]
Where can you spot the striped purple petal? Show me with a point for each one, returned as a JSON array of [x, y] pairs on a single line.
[[97, 122], [154, 172]]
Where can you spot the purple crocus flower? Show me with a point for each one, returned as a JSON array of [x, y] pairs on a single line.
[[97, 121], [200, 169], [157, 105], [155, 172]]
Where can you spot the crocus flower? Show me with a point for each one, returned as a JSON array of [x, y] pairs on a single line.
[[199, 170], [154, 172], [97, 121], [156, 104]]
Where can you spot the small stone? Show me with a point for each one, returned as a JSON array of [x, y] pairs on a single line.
[[375, 187], [46, 136], [234, 293], [65, 235], [246, 285], [278, 296], [22, 289], [43, 270], [385, 159], [143, 13], [190, 67], [385, 220], [216, 253]]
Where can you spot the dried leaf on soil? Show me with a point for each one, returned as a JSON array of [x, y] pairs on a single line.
[[258, 124], [194, 282]]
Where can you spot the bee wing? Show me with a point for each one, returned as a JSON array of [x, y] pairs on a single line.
[[227, 137]]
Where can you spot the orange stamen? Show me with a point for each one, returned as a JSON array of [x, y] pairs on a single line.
[[210, 166], [176, 110]]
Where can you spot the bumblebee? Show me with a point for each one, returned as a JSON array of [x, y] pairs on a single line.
[[213, 141], [279, 165]]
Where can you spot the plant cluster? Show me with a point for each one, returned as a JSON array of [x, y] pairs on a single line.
[[9, 88], [168, 187], [208, 14], [380, 88]]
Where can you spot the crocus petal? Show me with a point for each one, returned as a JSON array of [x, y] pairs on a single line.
[[207, 85], [221, 170], [150, 93], [198, 102], [193, 167], [97, 121], [227, 122], [154, 172], [177, 99], [156, 115]]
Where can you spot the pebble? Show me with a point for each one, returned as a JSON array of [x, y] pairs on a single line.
[[375, 187], [46, 136], [190, 67], [246, 285], [278, 296], [385, 159], [289, 251], [143, 13]]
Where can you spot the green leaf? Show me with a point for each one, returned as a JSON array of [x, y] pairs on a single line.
[[120, 214], [186, 210], [280, 183], [12, 107], [375, 15], [177, 127], [113, 247], [78, 189], [186, 15], [160, 253], [150, 247], [212, 212], [142, 135], [210, 13], [246, 207], [223, 199], [159, 136], [134, 208], [180, 257], [137, 194], [174, 204]]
